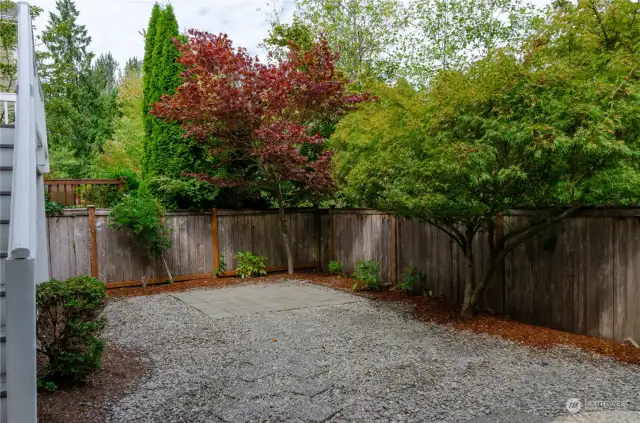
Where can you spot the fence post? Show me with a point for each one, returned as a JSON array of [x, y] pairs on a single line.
[[394, 250], [93, 238], [316, 240], [214, 240], [332, 238], [500, 272]]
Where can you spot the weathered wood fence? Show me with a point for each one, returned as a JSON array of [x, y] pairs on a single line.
[[582, 276]]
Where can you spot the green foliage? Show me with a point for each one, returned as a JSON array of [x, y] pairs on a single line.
[[122, 154], [80, 101], [141, 215], [335, 268], [132, 68], [47, 385], [106, 71], [8, 45], [221, 266], [414, 282], [282, 35], [166, 153], [553, 128], [180, 193], [53, 207], [452, 34], [250, 265], [69, 325], [147, 63], [367, 274], [364, 32]]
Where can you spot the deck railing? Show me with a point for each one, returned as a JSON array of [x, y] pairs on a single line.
[[7, 108], [82, 192]]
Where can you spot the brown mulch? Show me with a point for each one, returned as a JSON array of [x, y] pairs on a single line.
[[183, 286], [427, 309], [87, 403]]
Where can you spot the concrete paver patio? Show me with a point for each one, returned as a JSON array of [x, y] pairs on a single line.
[[251, 299]]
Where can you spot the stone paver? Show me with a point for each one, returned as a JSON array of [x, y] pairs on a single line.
[[252, 299]]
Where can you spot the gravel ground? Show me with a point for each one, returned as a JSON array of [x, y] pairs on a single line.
[[358, 362]]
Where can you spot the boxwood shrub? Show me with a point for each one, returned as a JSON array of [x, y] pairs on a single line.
[[69, 325]]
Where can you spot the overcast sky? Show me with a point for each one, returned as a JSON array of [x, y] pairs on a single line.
[[115, 25]]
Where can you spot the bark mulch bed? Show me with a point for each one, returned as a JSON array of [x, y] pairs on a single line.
[[89, 402], [428, 309], [183, 286]]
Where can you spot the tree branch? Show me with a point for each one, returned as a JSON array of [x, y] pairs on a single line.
[[454, 233], [599, 18], [534, 229]]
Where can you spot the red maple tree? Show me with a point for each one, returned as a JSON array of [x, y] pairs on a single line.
[[260, 121]]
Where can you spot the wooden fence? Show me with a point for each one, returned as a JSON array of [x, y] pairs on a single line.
[[582, 276], [83, 192]]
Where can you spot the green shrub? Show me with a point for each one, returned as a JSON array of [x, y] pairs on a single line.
[[250, 265], [69, 325], [221, 266], [367, 273], [414, 282], [53, 207], [180, 193], [335, 268], [142, 217]]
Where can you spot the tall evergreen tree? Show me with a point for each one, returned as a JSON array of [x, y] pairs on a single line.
[[79, 98], [133, 67], [147, 64], [106, 69], [67, 44], [167, 153]]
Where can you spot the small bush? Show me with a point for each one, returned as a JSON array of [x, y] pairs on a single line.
[[53, 207], [221, 266], [335, 268], [69, 326], [414, 282], [180, 193], [250, 265], [368, 274], [142, 217]]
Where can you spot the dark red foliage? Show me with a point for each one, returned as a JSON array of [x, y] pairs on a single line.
[[249, 110]]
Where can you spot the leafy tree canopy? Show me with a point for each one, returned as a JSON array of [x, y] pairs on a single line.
[[364, 33], [258, 121], [555, 128], [123, 152], [452, 34]]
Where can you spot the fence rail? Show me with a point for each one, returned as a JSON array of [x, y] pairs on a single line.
[[582, 276], [83, 192]]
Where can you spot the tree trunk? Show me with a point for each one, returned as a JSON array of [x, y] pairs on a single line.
[[285, 238], [468, 306], [167, 268]]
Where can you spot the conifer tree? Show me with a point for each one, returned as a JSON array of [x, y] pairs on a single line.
[[147, 64], [79, 97], [167, 153]]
